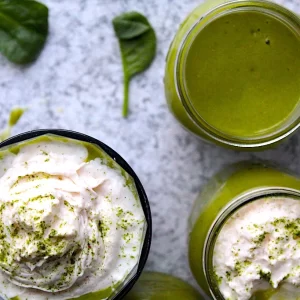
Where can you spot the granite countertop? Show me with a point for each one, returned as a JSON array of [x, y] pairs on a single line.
[[77, 84]]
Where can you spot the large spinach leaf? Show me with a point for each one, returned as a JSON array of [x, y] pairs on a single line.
[[23, 29]]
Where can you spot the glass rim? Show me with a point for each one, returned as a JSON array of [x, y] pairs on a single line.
[[293, 121], [234, 205], [121, 290]]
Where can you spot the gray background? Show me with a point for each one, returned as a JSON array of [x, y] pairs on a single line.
[[77, 84]]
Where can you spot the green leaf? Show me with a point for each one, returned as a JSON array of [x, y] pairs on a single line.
[[126, 30], [23, 29], [15, 115], [137, 42], [5, 134]]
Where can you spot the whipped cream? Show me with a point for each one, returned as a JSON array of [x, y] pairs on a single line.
[[258, 248], [68, 225]]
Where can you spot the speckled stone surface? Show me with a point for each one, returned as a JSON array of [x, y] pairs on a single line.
[[77, 84]]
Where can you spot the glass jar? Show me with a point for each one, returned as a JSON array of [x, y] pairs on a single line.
[[96, 150], [225, 193], [155, 285], [231, 90]]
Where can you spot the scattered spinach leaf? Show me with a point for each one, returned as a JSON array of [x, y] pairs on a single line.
[[23, 29], [14, 117], [127, 30], [137, 42]]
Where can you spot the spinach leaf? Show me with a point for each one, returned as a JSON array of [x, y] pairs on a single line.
[[127, 30], [23, 29], [14, 118], [137, 42]]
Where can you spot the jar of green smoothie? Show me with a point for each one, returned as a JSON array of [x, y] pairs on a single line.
[[244, 240], [233, 73], [160, 286], [75, 221]]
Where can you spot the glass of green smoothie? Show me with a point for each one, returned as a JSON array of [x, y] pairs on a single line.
[[75, 222], [245, 233], [233, 73]]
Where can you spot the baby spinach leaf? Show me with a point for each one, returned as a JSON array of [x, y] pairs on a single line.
[[127, 30], [14, 118], [137, 42], [23, 29]]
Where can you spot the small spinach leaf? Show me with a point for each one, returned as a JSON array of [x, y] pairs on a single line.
[[127, 30], [14, 118], [23, 29], [138, 46]]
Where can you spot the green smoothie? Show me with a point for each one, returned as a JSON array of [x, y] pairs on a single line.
[[242, 73], [81, 238], [160, 286], [228, 184], [233, 73]]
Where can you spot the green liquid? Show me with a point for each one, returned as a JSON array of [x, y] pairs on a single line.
[[220, 190], [242, 73], [274, 294], [159, 286], [263, 295]]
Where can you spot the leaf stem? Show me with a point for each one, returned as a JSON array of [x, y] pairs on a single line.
[[126, 95]]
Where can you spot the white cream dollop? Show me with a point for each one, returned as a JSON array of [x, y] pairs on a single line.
[[68, 226], [258, 248]]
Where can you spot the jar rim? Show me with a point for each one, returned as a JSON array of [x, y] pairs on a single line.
[[234, 205], [286, 128]]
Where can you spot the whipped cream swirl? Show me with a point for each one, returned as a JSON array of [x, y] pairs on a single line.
[[66, 222]]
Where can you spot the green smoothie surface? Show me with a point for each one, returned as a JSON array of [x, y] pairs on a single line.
[[242, 73]]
